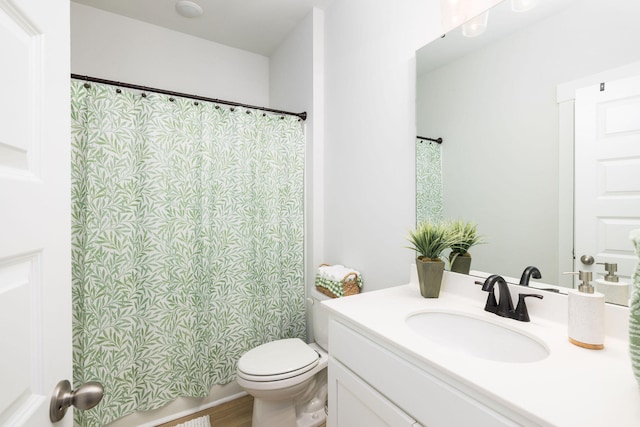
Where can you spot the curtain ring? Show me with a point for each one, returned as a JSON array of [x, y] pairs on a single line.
[[87, 85], [118, 90], [172, 99]]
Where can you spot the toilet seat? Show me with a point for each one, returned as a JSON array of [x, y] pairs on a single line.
[[277, 360]]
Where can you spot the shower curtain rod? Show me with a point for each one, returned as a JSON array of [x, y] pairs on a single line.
[[424, 138], [302, 116]]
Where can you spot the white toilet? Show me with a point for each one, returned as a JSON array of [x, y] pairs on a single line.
[[288, 378]]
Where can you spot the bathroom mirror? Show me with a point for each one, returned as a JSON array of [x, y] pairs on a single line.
[[507, 153]]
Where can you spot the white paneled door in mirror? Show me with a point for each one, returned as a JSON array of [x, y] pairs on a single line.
[[35, 264], [607, 175]]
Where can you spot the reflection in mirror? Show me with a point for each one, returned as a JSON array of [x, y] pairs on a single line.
[[500, 103], [428, 179]]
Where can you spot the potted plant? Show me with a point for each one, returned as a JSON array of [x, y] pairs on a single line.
[[465, 236], [430, 240]]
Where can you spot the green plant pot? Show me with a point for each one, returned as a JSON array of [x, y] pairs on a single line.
[[430, 276], [461, 263]]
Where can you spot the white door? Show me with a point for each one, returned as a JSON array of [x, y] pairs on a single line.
[[607, 174], [35, 253]]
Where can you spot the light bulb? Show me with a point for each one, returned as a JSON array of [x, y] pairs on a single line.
[[523, 5], [476, 26]]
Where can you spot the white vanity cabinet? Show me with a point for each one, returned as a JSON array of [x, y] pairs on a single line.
[[355, 403], [370, 385], [382, 369]]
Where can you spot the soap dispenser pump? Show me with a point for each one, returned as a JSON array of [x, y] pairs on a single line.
[[586, 314], [611, 287]]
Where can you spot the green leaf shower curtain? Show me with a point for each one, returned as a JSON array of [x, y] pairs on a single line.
[[187, 243], [428, 181]]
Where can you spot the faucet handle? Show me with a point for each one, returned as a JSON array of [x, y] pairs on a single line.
[[522, 314]]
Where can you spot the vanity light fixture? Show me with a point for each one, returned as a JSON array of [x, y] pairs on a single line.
[[475, 26], [523, 5], [452, 15], [189, 9]]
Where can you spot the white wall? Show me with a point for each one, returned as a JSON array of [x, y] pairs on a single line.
[[370, 131], [114, 47], [296, 72], [496, 110]]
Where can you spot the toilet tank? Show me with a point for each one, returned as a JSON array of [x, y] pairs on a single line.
[[319, 318]]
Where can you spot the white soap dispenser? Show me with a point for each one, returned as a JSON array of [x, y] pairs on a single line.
[[614, 290], [586, 314]]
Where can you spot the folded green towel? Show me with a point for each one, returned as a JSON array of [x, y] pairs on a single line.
[[334, 286]]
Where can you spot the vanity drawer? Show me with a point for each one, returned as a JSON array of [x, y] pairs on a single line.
[[354, 403], [430, 400]]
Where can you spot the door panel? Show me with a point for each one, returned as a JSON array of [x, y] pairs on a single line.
[[607, 168], [16, 314], [22, 43], [35, 266]]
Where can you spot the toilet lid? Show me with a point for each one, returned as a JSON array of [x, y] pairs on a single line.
[[279, 357]]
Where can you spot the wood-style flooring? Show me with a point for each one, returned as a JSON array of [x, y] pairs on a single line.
[[236, 413]]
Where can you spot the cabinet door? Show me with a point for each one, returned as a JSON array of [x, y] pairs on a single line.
[[353, 402], [450, 402]]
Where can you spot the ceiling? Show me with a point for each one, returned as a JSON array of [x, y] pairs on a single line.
[[257, 26]]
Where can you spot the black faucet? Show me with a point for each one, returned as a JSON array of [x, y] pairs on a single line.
[[528, 273], [504, 307]]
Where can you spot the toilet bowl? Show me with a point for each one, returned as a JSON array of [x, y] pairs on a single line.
[[288, 378]]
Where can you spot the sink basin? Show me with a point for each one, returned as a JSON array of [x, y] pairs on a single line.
[[477, 337]]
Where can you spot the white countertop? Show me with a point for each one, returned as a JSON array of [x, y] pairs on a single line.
[[573, 386]]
